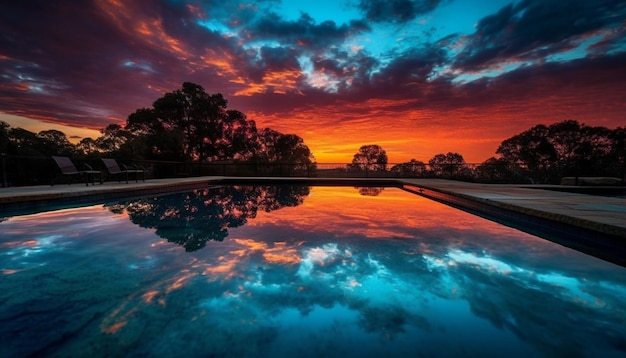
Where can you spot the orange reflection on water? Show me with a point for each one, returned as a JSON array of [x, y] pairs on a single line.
[[127, 310], [149, 296], [343, 209], [279, 254], [10, 272], [341, 212], [117, 319], [180, 281], [225, 269], [114, 327]]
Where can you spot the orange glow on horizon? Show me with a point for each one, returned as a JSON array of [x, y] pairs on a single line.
[[36, 125], [335, 138]]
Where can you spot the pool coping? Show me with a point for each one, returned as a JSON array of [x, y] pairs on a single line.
[[601, 233]]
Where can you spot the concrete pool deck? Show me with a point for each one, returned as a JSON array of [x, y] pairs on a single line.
[[591, 223]]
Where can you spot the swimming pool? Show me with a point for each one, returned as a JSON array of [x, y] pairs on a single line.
[[297, 271]]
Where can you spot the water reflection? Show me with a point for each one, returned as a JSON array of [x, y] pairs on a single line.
[[338, 274], [192, 219], [370, 190]]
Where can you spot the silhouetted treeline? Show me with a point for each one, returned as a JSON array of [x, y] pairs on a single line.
[[568, 148], [541, 154], [186, 125], [191, 126]]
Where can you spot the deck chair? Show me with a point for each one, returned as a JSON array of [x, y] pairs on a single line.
[[68, 168], [119, 170]]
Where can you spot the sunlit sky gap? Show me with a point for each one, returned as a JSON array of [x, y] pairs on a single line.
[[418, 77]]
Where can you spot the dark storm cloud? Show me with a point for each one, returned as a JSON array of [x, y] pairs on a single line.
[[600, 78], [353, 70], [302, 32], [534, 29], [279, 58], [396, 11], [413, 66]]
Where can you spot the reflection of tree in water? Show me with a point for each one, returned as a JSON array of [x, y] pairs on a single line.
[[191, 219], [370, 190]]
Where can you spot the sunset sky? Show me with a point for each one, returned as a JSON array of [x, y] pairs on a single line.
[[417, 77]]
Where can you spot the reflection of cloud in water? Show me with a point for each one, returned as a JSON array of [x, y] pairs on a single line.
[[283, 285], [316, 258]]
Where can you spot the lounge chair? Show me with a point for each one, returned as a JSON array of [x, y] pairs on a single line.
[[115, 169], [68, 168]]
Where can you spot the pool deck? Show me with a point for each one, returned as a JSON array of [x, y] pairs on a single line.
[[594, 223]]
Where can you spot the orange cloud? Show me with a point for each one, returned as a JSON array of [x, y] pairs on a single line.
[[279, 82], [147, 30], [280, 253]]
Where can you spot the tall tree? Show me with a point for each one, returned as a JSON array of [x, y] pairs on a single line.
[[447, 165], [54, 142], [87, 146], [113, 137], [371, 157], [531, 151], [208, 130], [565, 148], [288, 150]]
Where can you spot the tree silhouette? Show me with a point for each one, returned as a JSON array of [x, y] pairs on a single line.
[[114, 136], [448, 165], [4, 136], [190, 124], [208, 130], [288, 149], [87, 146], [531, 151], [618, 149], [567, 148], [498, 170], [412, 168], [54, 142], [370, 158]]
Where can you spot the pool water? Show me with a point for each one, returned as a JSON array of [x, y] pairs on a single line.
[[298, 271]]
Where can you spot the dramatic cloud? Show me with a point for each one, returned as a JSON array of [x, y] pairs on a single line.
[[303, 32], [398, 11], [383, 71], [536, 29]]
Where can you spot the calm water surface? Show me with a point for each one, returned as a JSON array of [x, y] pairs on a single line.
[[298, 271]]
